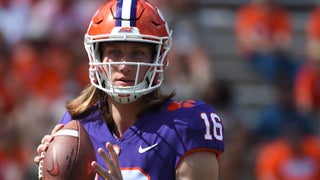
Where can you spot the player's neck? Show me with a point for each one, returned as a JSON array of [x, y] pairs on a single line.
[[124, 115]]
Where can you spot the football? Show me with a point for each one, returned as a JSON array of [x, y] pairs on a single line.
[[69, 155]]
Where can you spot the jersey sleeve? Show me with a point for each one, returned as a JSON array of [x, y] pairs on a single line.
[[200, 128]]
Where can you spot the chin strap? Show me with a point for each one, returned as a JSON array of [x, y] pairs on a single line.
[[125, 95]]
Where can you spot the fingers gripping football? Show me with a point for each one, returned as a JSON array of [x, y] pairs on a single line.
[[42, 148], [45, 141], [68, 155]]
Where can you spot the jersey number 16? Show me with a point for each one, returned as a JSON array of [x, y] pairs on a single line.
[[213, 126]]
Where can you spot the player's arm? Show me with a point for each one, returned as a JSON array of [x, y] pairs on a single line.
[[198, 165]]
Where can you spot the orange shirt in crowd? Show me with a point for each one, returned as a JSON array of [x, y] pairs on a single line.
[[276, 161], [257, 26], [313, 24], [307, 88], [307, 82]]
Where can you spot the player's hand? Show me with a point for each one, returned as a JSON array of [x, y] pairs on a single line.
[[45, 141], [112, 163]]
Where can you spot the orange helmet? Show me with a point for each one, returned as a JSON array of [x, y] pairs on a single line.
[[132, 21]]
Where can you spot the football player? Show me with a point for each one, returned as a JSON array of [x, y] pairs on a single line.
[[138, 132]]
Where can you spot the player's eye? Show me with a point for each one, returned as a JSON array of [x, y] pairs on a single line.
[[140, 55], [112, 54], [137, 54]]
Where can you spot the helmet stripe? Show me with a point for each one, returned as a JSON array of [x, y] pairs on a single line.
[[118, 13], [126, 13], [133, 14]]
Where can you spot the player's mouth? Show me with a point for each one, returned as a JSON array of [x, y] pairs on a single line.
[[123, 82]]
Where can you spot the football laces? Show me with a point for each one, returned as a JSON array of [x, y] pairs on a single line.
[[40, 166]]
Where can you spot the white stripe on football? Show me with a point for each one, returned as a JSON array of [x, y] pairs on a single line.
[[67, 132]]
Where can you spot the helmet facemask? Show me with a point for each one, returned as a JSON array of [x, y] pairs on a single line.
[[101, 74]]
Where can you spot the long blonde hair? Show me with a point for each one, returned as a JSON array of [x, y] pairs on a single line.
[[92, 95]]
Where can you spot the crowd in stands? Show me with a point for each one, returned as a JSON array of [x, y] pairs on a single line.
[[286, 133], [43, 64]]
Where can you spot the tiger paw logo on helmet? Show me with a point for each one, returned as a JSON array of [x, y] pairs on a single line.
[[125, 30]]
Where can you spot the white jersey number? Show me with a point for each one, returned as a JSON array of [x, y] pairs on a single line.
[[134, 174], [213, 126]]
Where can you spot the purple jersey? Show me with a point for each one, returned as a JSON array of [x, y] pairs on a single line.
[[153, 146]]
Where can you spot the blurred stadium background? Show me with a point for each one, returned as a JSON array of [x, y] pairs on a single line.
[[43, 64]]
